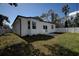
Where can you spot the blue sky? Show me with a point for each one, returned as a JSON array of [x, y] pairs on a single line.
[[32, 9]]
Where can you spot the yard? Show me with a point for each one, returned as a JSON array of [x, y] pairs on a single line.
[[12, 45], [10, 39], [60, 44]]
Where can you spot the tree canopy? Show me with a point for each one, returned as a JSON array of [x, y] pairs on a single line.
[[65, 9], [76, 20], [2, 18], [13, 4]]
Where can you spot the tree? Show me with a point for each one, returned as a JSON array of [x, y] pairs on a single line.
[[51, 15], [72, 21], [55, 19], [2, 18], [44, 16], [65, 10], [76, 20], [13, 4], [48, 14], [68, 23]]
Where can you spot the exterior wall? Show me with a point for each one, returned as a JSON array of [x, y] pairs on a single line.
[[24, 27], [39, 28], [16, 27]]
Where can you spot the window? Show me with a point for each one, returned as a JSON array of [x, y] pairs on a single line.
[[33, 25], [28, 24], [51, 26], [44, 27]]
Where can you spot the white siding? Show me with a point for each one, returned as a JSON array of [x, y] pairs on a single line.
[[39, 27], [24, 27], [16, 27]]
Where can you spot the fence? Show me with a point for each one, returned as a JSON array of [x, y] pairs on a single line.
[[75, 29]]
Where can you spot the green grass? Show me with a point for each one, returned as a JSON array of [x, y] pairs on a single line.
[[13, 45], [10, 39], [63, 44], [70, 41]]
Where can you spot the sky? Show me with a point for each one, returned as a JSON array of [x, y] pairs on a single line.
[[32, 9]]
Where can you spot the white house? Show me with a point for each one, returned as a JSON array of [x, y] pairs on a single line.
[[31, 26]]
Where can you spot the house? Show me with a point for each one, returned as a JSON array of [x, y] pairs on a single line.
[[31, 26]]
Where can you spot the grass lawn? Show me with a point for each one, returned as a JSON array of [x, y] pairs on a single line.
[[10, 39], [11, 44], [60, 44], [63, 44]]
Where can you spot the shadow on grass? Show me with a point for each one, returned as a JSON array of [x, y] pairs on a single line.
[[58, 32], [15, 50], [19, 50], [29, 50], [37, 38], [58, 50]]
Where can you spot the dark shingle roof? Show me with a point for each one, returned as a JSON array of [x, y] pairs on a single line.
[[35, 18]]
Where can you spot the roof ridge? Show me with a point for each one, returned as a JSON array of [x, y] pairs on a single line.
[[37, 18]]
